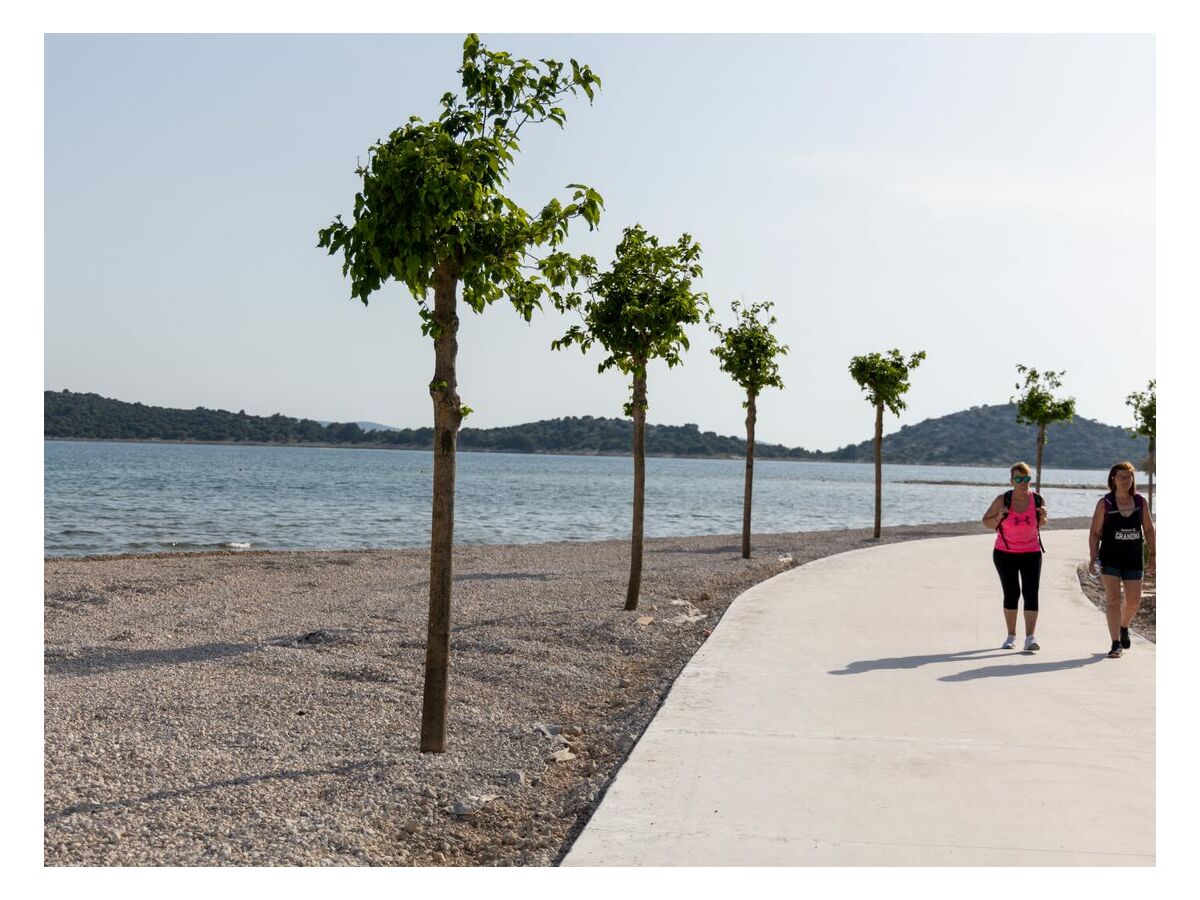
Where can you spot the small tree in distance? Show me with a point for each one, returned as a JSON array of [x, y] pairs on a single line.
[[1144, 404], [1038, 406], [431, 214], [885, 379], [748, 351], [637, 311]]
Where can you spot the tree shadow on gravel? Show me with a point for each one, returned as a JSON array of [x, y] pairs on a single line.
[[1029, 669], [99, 660], [505, 576], [913, 662], [239, 781]]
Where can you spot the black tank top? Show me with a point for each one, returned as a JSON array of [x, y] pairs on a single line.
[[1121, 538]]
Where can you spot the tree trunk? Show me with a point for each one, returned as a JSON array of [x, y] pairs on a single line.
[[639, 486], [751, 415], [447, 417], [1040, 447], [878, 470], [1153, 466]]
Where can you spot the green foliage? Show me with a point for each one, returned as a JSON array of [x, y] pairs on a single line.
[[432, 196], [1037, 404], [1144, 405], [637, 309], [748, 351], [885, 378]]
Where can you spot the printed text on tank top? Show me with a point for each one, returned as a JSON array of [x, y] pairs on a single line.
[[1121, 535]]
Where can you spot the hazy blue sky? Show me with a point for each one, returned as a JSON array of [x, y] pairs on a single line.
[[988, 199]]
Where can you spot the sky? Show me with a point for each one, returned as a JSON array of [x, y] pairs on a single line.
[[989, 199]]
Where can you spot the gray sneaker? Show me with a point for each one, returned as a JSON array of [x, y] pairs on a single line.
[[1031, 644], [1009, 642]]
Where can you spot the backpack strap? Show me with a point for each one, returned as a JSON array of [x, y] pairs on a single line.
[[1038, 503]]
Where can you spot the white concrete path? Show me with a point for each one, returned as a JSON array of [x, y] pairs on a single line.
[[858, 711]]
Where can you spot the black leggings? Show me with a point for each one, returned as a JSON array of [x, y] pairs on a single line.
[[1029, 567]]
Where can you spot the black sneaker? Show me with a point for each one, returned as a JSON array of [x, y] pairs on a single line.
[[1115, 652], [1125, 642]]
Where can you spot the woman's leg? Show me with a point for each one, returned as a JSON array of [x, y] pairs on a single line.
[[1133, 600], [1031, 579], [1006, 567], [1112, 605]]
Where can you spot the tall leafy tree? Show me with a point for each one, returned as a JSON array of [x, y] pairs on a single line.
[[750, 353], [885, 380], [432, 215], [1144, 404], [1037, 405], [636, 311]]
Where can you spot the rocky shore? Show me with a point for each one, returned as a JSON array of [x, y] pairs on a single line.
[[263, 708]]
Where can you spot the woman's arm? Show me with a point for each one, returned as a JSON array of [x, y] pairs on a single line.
[[994, 513], [1151, 539], [1094, 532]]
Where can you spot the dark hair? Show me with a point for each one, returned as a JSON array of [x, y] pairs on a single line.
[[1112, 477]]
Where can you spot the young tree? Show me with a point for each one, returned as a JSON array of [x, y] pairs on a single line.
[[1038, 406], [431, 214], [1144, 405], [637, 311], [748, 352], [885, 379]]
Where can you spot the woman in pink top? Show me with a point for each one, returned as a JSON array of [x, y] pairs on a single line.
[[1018, 551]]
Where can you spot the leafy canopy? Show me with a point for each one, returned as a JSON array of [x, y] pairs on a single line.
[[885, 378], [748, 351], [1144, 405], [637, 309], [431, 197], [1037, 404]]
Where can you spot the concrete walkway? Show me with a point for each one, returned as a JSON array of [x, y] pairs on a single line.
[[858, 711]]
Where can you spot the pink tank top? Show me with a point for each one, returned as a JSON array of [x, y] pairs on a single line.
[[1018, 532]]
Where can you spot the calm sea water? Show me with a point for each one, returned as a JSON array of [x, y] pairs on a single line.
[[145, 498]]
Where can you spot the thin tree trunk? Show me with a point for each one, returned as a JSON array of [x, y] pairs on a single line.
[[447, 416], [878, 469], [751, 415], [1153, 466], [639, 487], [1040, 447]]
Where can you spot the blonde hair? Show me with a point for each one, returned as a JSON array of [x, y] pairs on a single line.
[[1021, 467], [1112, 477]]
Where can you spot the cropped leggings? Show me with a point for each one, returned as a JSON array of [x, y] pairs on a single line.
[[1019, 574]]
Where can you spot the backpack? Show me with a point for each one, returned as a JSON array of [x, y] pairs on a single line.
[[1110, 503], [1038, 503]]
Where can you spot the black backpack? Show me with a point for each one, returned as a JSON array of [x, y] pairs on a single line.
[[1038, 503]]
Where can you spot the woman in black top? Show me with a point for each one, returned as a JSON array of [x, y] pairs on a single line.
[[1120, 527]]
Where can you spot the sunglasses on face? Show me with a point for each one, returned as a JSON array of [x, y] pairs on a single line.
[[1022, 479]]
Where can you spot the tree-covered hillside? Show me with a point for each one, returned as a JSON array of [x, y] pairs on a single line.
[[982, 435], [990, 435]]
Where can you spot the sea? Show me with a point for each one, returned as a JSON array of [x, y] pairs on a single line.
[[124, 497]]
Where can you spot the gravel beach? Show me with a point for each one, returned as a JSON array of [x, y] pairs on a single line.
[[263, 708]]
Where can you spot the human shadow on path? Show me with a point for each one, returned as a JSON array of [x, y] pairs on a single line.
[[1028, 669], [913, 662]]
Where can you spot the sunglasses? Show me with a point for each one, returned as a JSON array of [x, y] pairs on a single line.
[[1022, 479]]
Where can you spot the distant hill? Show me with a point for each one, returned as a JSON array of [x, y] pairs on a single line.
[[990, 435], [982, 435], [365, 426]]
